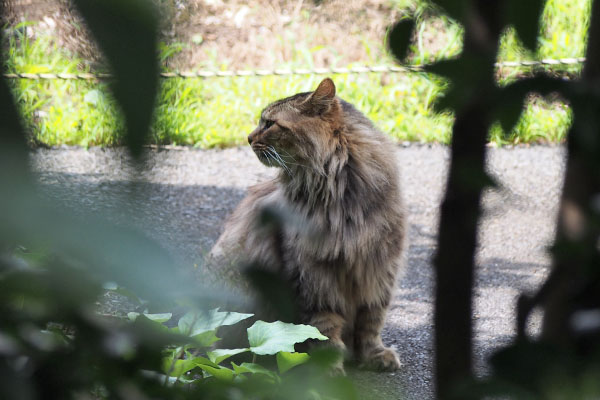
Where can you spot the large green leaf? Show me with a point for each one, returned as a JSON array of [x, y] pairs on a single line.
[[273, 337], [126, 32], [196, 322], [287, 361]]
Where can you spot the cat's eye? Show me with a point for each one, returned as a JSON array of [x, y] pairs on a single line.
[[269, 123]]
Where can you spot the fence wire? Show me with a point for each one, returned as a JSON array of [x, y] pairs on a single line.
[[284, 72]]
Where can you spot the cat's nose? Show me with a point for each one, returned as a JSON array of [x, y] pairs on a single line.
[[251, 136]]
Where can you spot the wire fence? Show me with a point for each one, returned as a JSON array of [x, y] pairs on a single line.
[[284, 72]]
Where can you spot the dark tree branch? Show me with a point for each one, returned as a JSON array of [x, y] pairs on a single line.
[[461, 209], [576, 256], [13, 148]]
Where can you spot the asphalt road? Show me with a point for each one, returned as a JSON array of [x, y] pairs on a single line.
[[184, 196]]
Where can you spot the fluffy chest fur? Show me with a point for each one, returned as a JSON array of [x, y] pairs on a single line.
[[346, 250], [338, 188]]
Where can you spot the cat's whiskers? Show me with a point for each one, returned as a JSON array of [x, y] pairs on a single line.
[[288, 155], [287, 163], [266, 156], [271, 150], [278, 158]]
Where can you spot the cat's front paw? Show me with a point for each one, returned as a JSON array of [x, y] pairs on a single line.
[[337, 369], [383, 359]]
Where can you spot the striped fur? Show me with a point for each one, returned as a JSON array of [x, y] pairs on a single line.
[[339, 177]]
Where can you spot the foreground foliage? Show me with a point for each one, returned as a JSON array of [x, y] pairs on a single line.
[[564, 359], [52, 326], [54, 343]]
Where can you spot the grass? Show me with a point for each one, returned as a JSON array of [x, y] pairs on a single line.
[[58, 111], [219, 112], [229, 107]]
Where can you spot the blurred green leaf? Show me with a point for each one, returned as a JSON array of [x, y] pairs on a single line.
[[464, 69], [198, 360], [455, 9], [140, 265], [525, 16], [531, 365], [160, 318], [177, 367], [273, 337], [493, 388], [542, 84], [287, 361], [206, 339], [466, 75], [219, 355], [252, 368], [508, 114], [510, 100], [473, 178], [399, 37], [13, 151], [196, 322], [274, 290], [221, 373], [126, 32], [127, 293]]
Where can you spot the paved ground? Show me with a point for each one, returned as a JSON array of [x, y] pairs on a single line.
[[184, 196]]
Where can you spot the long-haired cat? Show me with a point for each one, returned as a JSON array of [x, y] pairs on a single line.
[[339, 178]]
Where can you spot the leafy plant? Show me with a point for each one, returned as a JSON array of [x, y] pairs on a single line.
[[51, 330], [197, 361]]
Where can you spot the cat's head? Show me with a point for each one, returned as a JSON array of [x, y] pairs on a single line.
[[301, 129]]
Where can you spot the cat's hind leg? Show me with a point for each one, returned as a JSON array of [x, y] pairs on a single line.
[[369, 348], [331, 325]]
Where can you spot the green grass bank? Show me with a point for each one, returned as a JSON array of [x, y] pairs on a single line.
[[220, 111]]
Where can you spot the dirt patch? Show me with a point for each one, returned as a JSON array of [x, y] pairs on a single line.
[[238, 34], [57, 18], [266, 34]]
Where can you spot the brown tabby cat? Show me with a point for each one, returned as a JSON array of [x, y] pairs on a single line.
[[339, 176]]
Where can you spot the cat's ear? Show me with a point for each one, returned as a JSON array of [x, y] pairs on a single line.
[[321, 99], [325, 90]]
